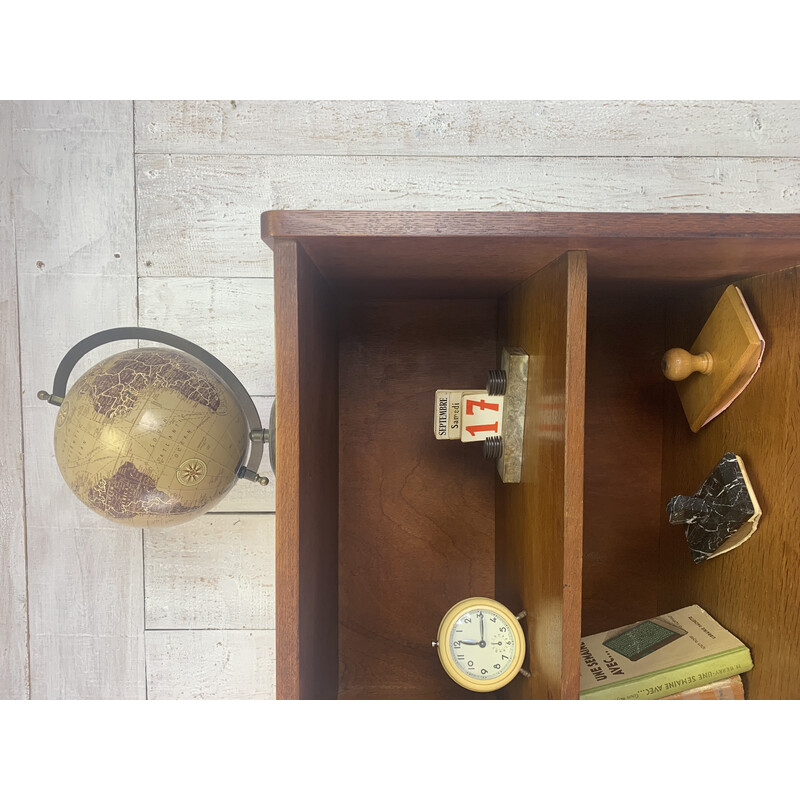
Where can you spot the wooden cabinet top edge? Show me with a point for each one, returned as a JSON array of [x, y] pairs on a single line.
[[401, 224]]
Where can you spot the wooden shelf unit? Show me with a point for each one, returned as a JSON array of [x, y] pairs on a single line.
[[381, 528]]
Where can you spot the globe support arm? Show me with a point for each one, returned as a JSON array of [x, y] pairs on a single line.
[[76, 353]]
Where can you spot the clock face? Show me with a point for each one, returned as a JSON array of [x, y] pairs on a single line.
[[483, 643]]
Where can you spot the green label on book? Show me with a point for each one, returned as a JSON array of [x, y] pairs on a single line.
[[641, 640]]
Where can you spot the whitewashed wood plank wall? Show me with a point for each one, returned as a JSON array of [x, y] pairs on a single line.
[[190, 613], [76, 266], [14, 677], [201, 213], [477, 128]]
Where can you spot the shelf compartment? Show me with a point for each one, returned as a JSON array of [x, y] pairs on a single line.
[[381, 528], [754, 589]]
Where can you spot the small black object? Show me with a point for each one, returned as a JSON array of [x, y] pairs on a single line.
[[493, 447], [722, 507], [497, 382]]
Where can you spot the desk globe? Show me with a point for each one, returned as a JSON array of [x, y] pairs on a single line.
[[153, 437]]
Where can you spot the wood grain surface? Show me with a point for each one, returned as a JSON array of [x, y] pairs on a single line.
[[216, 572], [540, 520], [76, 259], [307, 424], [481, 267], [480, 254], [734, 347], [416, 515], [622, 454], [211, 665], [14, 677], [752, 590], [470, 128], [198, 215], [530, 226]]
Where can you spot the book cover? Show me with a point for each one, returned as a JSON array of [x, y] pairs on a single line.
[[661, 656], [726, 689]]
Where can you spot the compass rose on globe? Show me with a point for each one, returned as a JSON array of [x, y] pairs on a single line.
[[191, 472]]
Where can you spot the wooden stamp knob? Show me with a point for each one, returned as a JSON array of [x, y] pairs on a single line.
[[678, 364]]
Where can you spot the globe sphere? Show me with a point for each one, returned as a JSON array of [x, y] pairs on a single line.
[[150, 438]]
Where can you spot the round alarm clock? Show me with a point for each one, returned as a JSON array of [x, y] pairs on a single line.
[[481, 644]]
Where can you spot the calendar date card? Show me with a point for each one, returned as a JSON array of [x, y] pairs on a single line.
[[470, 415]]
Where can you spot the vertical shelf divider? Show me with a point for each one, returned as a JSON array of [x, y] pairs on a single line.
[[539, 521]]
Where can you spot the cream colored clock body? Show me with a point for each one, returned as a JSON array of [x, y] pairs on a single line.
[[481, 644]]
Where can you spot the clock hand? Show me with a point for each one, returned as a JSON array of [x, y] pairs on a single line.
[[483, 641], [468, 641]]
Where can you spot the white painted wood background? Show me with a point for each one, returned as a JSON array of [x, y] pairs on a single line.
[[120, 213]]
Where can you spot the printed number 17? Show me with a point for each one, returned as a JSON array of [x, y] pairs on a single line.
[[483, 406]]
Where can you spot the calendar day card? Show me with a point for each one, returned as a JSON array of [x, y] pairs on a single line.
[[481, 415]]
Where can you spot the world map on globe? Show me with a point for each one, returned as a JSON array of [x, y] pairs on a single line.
[[150, 438]]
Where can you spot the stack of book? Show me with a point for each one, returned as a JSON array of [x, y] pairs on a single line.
[[686, 655]]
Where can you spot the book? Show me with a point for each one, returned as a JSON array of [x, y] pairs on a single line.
[[726, 689], [661, 656]]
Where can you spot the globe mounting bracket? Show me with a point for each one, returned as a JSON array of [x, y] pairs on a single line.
[[53, 399]]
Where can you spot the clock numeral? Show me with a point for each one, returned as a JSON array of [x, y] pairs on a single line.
[[467, 620], [470, 663], [493, 619], [483, 672], [456, 644], [506, 658], [497, 666], [503, 630]]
